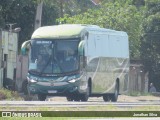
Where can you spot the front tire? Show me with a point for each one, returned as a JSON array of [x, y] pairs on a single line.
[[42, 97], [73, 97], [85, 97], [69, 98]]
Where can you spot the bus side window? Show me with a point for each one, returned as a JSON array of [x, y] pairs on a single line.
[[82, 61]]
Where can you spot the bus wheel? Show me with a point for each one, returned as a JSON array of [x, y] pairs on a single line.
[[77, 98], [106, 98], [69, 98], [114, 96], [42, 97], [84, 97]]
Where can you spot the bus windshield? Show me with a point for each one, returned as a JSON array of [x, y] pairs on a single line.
[[52, 57]]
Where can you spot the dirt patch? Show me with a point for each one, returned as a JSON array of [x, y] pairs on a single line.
[[121, 98], [125, 98]]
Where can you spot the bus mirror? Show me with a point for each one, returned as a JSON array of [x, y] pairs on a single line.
[[25, 47], [81, 48]]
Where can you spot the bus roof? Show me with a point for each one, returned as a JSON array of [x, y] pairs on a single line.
[[68, 31], [59, 31]]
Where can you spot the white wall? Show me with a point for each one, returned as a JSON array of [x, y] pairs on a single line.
[[9, 43]]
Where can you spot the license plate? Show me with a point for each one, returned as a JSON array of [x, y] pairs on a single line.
[[52, 91]]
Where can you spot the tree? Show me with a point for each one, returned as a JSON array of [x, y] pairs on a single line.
[[22, 12], [150, 40], [1, 18], [118, 15], [50, 14]]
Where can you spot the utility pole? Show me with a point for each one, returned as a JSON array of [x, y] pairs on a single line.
[[61, 8], [38, 16]]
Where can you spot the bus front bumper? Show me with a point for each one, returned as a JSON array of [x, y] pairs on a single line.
[[58, 88]]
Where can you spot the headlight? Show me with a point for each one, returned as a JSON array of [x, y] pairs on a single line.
[[31, 80], [73, 80]]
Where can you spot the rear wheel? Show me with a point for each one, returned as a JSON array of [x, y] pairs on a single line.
[[106, 98], [42, 97], [114, 96]]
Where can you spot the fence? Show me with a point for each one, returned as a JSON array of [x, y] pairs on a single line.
[[138, 79], [22, 69]]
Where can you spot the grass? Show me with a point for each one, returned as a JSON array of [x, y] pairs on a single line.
[[61, 115], [9, 95], [59, 112], [89, 108], [139, 94], [43, 118]]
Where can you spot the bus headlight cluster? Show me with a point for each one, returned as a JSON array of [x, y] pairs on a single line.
[[31, 80], [73, 80]]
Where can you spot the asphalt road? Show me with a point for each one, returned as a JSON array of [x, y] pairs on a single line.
[[61, 102], [123, 101], [74, 104]]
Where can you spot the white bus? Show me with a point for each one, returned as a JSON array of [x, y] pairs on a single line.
[[79, 61]]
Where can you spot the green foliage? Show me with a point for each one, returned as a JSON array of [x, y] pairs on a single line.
[[150, 50], [1, 18], [9, 95], [136, 93], [151, 34], [22, 12], [50, 14], [118, 15]]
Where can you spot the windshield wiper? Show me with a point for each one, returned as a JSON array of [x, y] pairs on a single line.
[[70, 73], [59, 65], [45, 66], [33, 72]]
